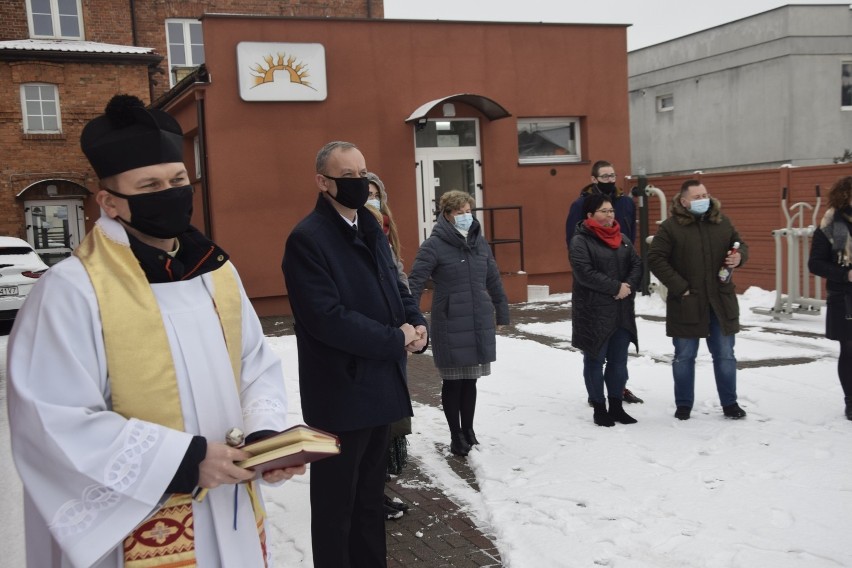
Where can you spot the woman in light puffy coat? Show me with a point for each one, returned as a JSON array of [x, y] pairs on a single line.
[[467, 305]]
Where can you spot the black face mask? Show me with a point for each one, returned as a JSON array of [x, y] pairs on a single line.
[[161, 214], [352, 192], [607, 188]]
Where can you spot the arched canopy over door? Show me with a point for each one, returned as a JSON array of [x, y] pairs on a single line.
[[489, 107], [54, 216], [447, 152]]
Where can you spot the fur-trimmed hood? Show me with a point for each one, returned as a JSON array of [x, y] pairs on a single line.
[[593, 188], [684, 216]]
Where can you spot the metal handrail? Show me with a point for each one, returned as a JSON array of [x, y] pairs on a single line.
[[493, 242]]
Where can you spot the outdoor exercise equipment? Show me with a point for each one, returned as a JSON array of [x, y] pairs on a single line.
[[797, 240]]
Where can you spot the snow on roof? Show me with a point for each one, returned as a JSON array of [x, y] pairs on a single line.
[[72, 46]]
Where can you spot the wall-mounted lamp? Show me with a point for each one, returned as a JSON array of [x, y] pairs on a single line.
[[449, 110], [52, 190], [421, 123]]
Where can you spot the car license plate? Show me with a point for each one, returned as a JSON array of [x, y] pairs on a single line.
[[8, 290]]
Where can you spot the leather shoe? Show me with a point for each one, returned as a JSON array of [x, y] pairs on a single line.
[[396, 505], [682, 412], [631, 398], [733, 411]]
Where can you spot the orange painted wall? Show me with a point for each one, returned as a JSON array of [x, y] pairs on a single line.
[[261, 155]]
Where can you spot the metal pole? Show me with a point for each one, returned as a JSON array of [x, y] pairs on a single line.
[[639, 191]]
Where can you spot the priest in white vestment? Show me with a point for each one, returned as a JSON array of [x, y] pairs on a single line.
[[129, 363]]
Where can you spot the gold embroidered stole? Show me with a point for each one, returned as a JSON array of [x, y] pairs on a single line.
[[143, 380]]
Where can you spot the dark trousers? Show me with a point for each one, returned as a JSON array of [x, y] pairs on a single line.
[[844, 366], [347, 498], [613, 353]]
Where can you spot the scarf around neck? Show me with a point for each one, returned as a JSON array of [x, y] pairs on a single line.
[[611, 236], [837, 232]]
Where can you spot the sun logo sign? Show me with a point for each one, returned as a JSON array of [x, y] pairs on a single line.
[[297, 72], [280, 71]]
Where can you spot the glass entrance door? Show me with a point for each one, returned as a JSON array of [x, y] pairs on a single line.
[[448, 158], [54, 228]]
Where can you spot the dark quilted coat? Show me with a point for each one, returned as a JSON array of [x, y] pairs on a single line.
[[829, 261], [468, 293], [598, 271]]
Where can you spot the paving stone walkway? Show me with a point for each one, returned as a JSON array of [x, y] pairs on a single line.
[[435, 532]]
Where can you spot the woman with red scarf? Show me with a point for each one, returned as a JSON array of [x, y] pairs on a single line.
[[606, 272]]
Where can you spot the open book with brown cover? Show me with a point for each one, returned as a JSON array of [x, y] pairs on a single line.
[[294, 446]]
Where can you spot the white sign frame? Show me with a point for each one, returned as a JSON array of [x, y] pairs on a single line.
[[270, 71]]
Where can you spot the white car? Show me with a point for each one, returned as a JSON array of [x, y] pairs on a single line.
[[20, 267]]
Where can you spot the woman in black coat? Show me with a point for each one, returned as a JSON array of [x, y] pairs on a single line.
[[606, 272], [468, 293], [831, 258]]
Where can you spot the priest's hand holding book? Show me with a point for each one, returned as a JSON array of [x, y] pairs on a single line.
[[220, 467], [276, 457]]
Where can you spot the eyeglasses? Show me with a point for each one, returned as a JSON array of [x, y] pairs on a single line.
[[606, 211], [607, 176]]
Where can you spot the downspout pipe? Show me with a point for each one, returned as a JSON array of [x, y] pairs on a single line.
[[202, 150], [133, 23]]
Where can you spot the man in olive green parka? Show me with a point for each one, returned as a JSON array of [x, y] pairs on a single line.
[[686, 255]]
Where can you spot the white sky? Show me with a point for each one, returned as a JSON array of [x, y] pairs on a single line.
[[771, 490], [654, 21]]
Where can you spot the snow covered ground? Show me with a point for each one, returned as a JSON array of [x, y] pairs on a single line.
[[773, 490]]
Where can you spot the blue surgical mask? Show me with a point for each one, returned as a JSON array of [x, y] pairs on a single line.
[[375, 204], [700, 206], [464, 221]]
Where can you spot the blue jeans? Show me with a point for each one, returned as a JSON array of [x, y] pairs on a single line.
[[724, 365], [614, 354]]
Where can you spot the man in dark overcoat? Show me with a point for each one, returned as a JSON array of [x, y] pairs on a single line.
[[686, 254], [355, 324]]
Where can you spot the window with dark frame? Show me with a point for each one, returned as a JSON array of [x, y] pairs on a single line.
[[548, 140], [846, 85]]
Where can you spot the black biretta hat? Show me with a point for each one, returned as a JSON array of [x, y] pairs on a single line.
[[128, 136]]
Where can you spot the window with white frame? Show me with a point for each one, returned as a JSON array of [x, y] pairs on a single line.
[[186, 45], [846, 85], [665, 103], [61, 19], [548, 140], [40, 105]]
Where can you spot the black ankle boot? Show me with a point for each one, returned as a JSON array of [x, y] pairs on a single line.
[[457, 444], [616, 412], [601, 417], [849, 407], [469, 437]]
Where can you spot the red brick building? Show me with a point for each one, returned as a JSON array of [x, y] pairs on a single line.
[[513, 113], [60, 62]]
